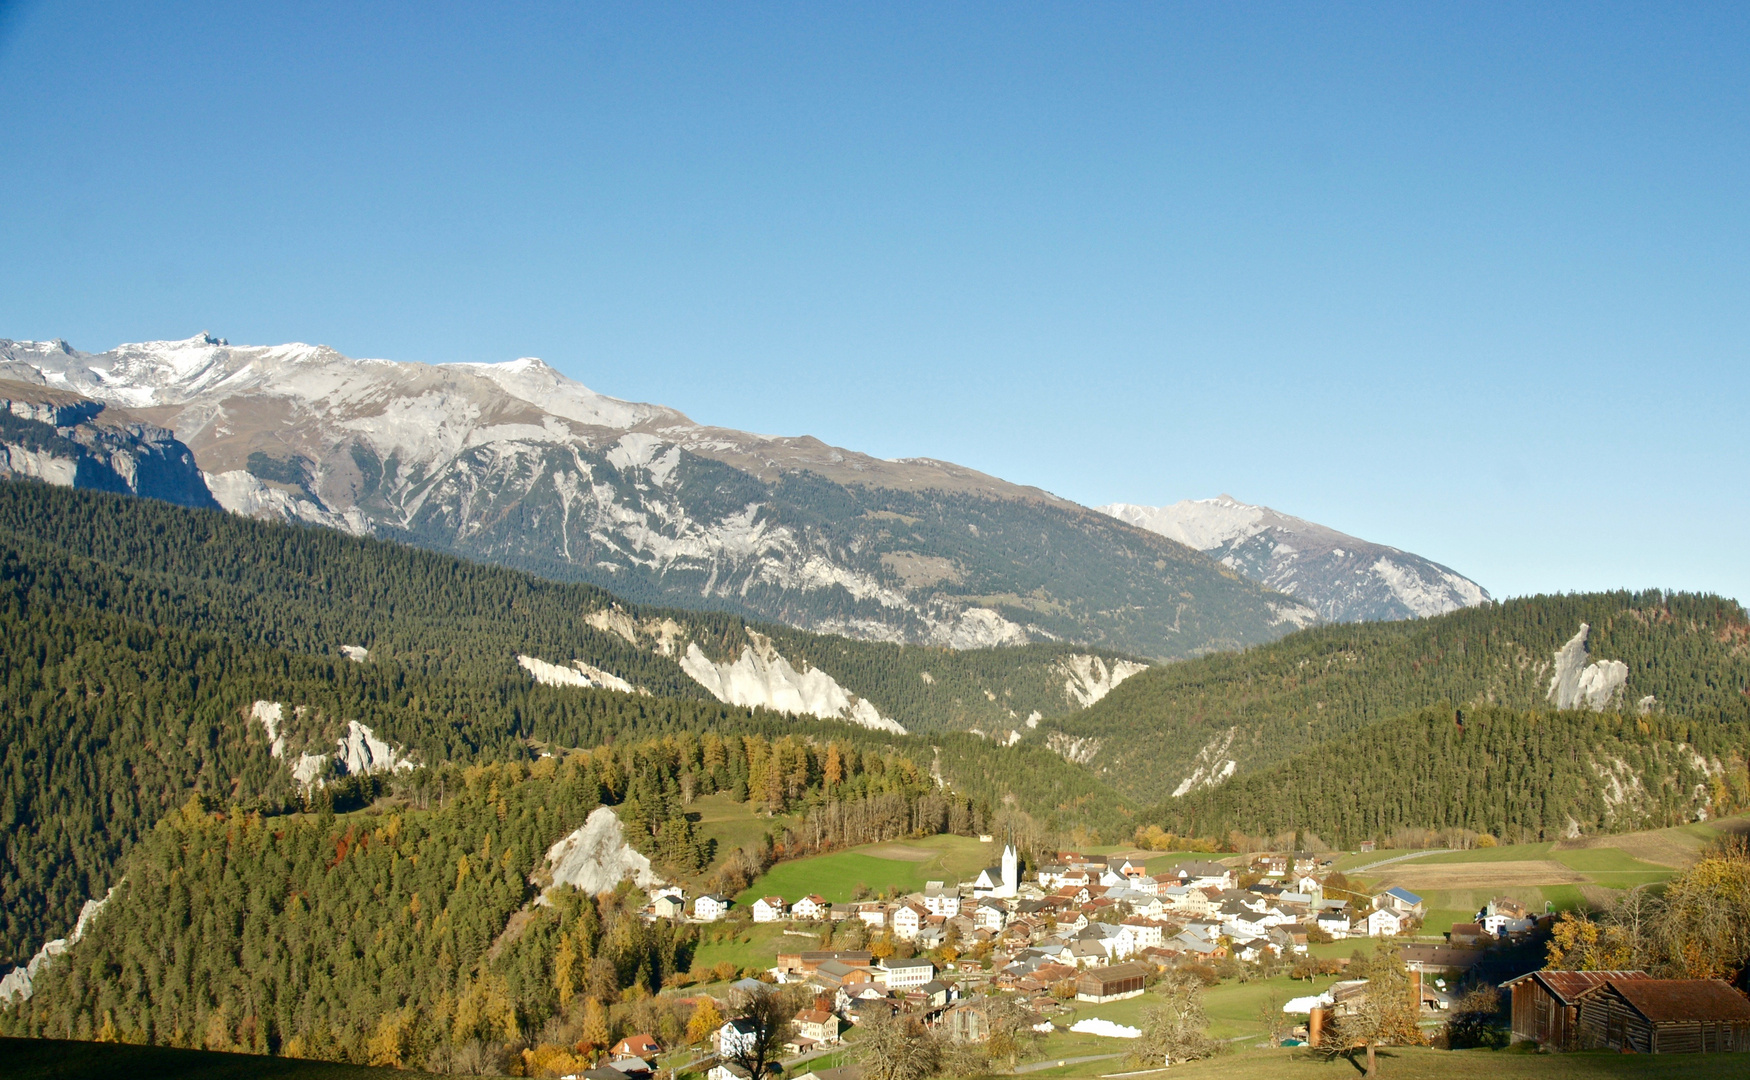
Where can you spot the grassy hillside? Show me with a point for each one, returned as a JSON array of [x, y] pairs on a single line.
[[1267, 704], [903, 865]]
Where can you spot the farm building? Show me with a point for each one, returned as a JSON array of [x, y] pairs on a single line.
[[1111, 983], [1546, 1004], [1665, 1016]]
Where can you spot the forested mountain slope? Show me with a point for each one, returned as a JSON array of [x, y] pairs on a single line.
[[515, 464], [314, 591], [343, 938], [1182, 726], [1518, 776], [138, 637]]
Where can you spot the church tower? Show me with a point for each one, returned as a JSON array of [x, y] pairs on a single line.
[[1011, 871]]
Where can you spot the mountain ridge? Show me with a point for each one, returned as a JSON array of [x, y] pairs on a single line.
[[517, 464], [1346, 578]]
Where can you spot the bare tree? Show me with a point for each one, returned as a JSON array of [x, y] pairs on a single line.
[[1010, 1024], [892, 1047], [1384, 1014], [767, 1016], [1177, 1029]]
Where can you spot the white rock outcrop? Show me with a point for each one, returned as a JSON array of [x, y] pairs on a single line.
[[1211, 765], [1576, 684], [362, 752], [18, 984], [271, 714], [579, 674], [1090, 678], [762, 677], [595, 857], [358, 654]]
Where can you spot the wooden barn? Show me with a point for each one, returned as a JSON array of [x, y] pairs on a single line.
[[1546, 1004], [1665, 1016], [1112, 983]]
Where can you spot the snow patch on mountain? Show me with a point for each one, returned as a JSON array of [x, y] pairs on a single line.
[[579, 674], [1576, 684], [1091, 678], [19, 983], [1211, 765], [595, 857], [762, 677], [1344, 578]]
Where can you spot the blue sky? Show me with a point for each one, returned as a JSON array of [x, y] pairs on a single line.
[[1466, 279]]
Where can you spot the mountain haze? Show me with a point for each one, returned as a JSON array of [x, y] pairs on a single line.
[[1344, 578], [514, 463]]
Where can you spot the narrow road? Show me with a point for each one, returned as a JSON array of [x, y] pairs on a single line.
[[1395, 858], [1052, 1063]]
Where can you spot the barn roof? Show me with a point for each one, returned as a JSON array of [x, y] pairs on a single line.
[[1665, 1001], [1566, 986]]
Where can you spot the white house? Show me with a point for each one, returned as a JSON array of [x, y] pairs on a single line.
[[902, 975], [710, 907], [872, 914], [1203, 874], [1400, 900], [941, 901], [1310, 885], [809, 908], [1137, 935], [768, 909], [907, 920], [1185, 900], [1334, 923], [990, 915], [736, 1037], [1384, 924]]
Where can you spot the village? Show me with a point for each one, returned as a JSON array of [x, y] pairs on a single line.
[[960, 959]]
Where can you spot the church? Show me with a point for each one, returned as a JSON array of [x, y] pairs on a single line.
[[1000, 882]]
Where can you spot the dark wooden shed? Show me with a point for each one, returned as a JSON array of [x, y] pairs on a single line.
[[1665, 1016], [1546, 1004]]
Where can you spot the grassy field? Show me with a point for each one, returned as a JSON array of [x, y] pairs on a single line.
[[1421, 1063], [905, 865], [1560, 875], [755, 947], [56, 1059]]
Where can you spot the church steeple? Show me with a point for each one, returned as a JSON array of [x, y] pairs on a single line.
[[1011, 871]]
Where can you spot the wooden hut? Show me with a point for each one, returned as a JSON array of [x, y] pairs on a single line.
[[1111, 983], [1665, 1016], [1546, 1004]]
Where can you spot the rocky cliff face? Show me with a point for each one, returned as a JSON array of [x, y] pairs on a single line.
[[72, 441], [1345, 579], [514, 463]]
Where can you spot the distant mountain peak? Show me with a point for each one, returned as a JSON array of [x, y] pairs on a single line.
[[1345, 578], [515, 462]]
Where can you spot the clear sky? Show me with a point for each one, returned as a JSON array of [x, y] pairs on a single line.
[[1467, 279]]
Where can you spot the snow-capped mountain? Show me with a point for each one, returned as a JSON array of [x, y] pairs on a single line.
[[515, 463], [1344, 578]]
